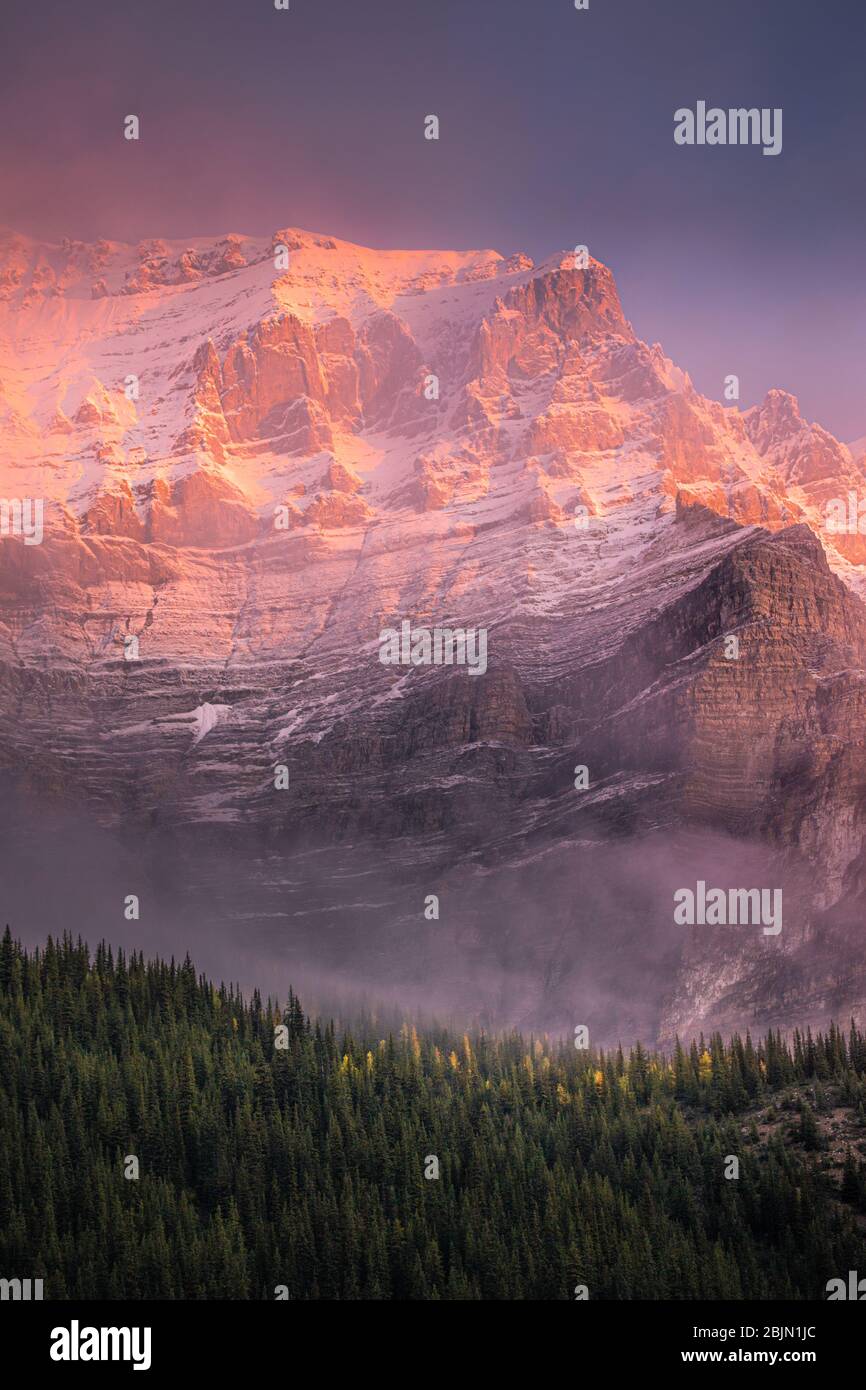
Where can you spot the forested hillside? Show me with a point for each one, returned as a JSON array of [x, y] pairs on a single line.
[[304, 1168]]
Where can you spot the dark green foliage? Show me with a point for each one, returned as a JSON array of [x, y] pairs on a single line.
[[305, 1167], [809, 1134]]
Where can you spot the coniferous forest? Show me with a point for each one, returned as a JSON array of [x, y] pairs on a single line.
[[278, 1157]]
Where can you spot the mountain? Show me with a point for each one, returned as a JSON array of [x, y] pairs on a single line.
[[257, 455]]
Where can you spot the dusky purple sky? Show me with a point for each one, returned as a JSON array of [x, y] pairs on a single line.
[[556, 130]]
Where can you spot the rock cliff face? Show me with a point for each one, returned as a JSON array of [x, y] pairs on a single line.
[[255, 456]]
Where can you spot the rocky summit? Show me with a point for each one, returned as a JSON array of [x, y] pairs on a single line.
[[256, 456]]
